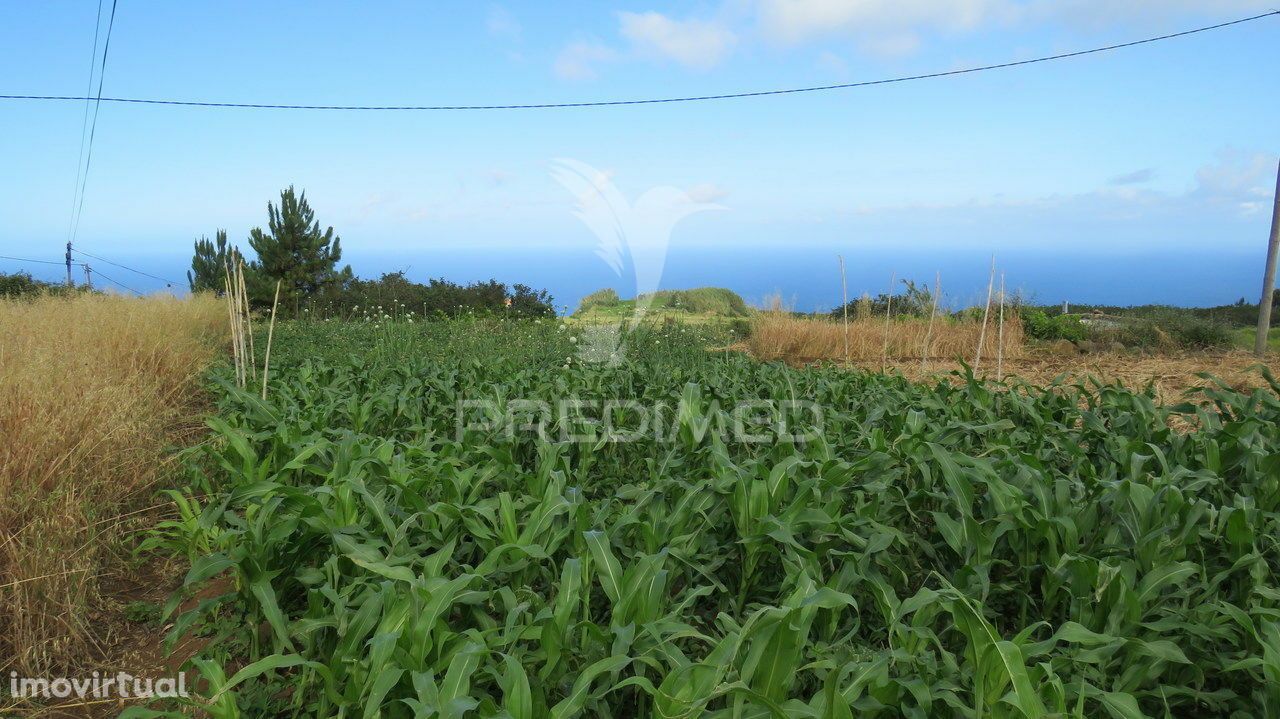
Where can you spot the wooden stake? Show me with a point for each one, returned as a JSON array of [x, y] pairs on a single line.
[[271, 329], [986, 313], [1269, 277], [241, 372], [231, 319], [248, 318], [928, 333], [844, 297], [1000, 339], [888, 312]]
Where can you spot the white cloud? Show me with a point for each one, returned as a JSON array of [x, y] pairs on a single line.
[[1137, 177], [373, 203], [830, 62], [699, 44], [707, 192], [894, 27], [892, 45], [501, 23], [1108, 13], [579, 60], [1235, 186], [1239, 179], [882, 28], [794, 21], [389, 207]]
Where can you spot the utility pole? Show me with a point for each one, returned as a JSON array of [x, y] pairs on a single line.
[[88, 277], [70, 282], [1269, 276]]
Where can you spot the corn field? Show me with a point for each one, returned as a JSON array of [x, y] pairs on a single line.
[[959, 549]]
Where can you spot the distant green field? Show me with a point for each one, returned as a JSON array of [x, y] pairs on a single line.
[[700, 301], [1246, 336]]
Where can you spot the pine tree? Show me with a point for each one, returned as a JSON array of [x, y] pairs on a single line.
[[295, 251], [209, 264]]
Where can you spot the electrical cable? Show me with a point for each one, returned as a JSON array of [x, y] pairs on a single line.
[[126, 267], [652, 101]]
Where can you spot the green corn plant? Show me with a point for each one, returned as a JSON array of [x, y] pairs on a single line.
[[957, 549]]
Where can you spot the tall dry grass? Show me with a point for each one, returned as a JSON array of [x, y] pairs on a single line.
[[93, 389], [779, 335]]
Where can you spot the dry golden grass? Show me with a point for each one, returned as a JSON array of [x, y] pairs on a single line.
[[92, 391], [799, 341], [1172, 374], [778, 335]]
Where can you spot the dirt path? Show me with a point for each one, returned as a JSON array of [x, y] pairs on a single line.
[[130, 637]]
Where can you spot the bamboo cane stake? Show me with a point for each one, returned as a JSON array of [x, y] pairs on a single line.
[[239, 324], [844, 297], [986, 313], [231, 319], [888, 311], [928, 333], [271, 329], [247, 361], [1000, 335], [243, 370], [248, 318]]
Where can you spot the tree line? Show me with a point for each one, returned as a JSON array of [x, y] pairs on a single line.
[[304, 259]]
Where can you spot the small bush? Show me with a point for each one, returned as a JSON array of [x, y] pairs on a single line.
[[608, 297], [1143, 334], [740, 328], [21, 285], [1179, 332], [1041, 326], [1201, 334], [702, 300]]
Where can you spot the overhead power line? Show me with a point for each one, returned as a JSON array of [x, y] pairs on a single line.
[[84, 121], [93, 127], [80, 264], [108, 279], [39, 262], [655, 101], [126, 267]]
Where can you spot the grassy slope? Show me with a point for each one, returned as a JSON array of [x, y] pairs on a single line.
[[704, 302], [1246, 336]]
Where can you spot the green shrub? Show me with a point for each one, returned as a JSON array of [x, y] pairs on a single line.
[[1202, 334], [1141, 334], [1041, 326], [740, 328], [395, 293], [702, 300], [22, 284], [608, 297], [1170, 332]]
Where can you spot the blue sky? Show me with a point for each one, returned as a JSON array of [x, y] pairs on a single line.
[[1139, 175]]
